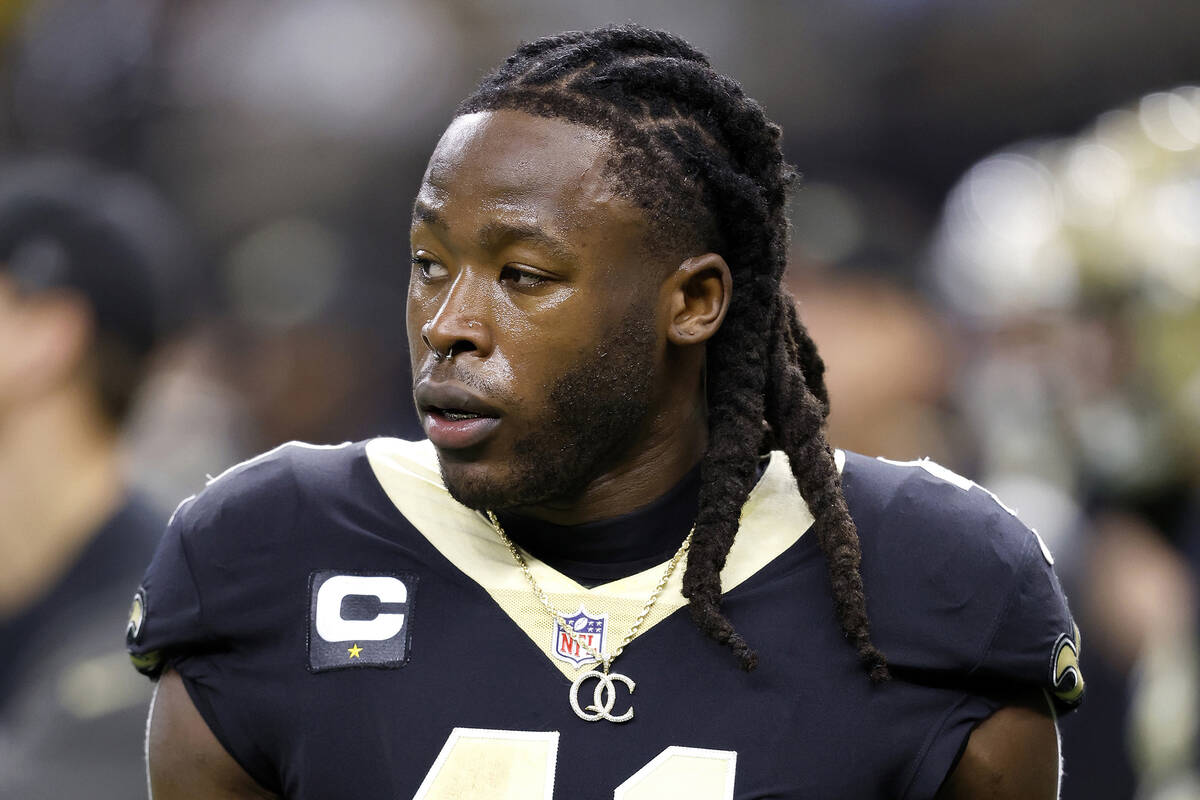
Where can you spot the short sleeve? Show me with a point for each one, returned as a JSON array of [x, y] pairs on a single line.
[[1035, 640], [201, 607], [1034, 644], [165, 613], [963, 598], [224, 550], [958, 586]]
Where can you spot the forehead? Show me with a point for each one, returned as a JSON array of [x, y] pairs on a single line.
[[544, 171]]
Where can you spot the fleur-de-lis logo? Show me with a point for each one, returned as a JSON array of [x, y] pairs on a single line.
[[1064, 668]]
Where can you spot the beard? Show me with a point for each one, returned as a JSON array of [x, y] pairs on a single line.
[[595, 413]]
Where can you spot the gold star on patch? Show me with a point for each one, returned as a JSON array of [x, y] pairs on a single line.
[[354, 651]]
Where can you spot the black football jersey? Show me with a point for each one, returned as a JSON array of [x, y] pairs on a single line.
[[348, 630]]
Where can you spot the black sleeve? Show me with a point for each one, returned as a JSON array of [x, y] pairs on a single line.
[[1035, 640], [957, 584], [207, 601], [962, 595], [165, 616]]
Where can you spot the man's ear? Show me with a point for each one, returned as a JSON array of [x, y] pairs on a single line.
[[698, 295]]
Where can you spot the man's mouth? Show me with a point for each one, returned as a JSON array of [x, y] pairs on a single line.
[[455, 417], [456, 428]]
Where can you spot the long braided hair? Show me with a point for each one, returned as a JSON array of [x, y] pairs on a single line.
[[705, 165]]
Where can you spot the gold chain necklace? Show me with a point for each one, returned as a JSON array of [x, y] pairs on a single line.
[[604, 696]]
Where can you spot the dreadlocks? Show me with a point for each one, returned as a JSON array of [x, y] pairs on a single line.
[[704, 163]]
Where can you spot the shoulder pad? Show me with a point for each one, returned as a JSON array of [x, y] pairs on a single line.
[[222, 547], [956, 583]]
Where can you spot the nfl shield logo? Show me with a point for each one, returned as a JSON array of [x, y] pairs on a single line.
[[588, 629]]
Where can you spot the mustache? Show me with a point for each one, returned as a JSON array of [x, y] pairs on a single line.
[[448, 371]]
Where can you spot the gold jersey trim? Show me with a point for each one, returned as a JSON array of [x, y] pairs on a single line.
[[774, 518]]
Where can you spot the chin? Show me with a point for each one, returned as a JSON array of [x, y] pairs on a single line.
[[481, 486], [520, 479]]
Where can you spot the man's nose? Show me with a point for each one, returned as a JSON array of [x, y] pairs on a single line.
[[459, 326]]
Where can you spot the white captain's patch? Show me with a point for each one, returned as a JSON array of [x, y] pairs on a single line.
[[585, 628], [359, 619]]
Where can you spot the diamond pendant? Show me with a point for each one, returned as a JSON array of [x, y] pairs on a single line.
[[604, 696]]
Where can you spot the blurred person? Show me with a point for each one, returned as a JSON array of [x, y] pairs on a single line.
[[82, 254], [617, 392], [298, 342], [889, 364], [312, 331], [1072, 267]]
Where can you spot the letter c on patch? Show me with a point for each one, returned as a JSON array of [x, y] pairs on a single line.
[[333, 628]]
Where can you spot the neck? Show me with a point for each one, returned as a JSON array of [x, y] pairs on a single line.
[[60, 478], [673, 443]]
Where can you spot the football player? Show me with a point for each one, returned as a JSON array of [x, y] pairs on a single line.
[[626, 562]]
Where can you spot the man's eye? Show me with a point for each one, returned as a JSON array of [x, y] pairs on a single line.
[[430, 270], [521, 279]]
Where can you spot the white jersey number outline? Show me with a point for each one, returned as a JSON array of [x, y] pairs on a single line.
[[480, 764]]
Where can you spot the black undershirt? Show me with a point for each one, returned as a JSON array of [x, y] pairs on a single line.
[[611, 549]]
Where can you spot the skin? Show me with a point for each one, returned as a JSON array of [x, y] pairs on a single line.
[[51, 424], [525, 259], [1012, 754], [185, 758]]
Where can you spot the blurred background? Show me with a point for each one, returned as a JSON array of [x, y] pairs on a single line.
[[997, 248]]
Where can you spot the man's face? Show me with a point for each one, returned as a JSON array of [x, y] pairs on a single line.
[[532, 313]]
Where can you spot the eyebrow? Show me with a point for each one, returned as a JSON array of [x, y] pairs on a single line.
[[497, 234], [427, 215]]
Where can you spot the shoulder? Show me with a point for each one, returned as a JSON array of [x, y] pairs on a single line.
[[956, 582], [235, 541], [298, 476], [933, 516], [262, 515], [272, 483]]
